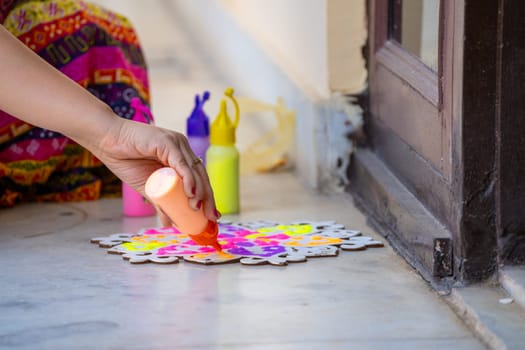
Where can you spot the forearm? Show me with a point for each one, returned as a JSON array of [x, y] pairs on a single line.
[[37, 93]]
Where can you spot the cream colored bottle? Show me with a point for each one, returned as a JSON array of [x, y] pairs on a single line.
[[165, 188]]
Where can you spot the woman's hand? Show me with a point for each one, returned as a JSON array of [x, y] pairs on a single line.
[[133, 151]]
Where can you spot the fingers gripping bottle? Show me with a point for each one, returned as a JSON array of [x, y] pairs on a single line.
[[166, 189], [222, 159], [198, 128], [133, 203]]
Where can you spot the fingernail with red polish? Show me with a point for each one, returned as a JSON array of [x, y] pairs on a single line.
[[199, 204], [217, 214], [193, 191]]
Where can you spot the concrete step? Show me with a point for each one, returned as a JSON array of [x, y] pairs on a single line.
[[492, 314], [512, 279]]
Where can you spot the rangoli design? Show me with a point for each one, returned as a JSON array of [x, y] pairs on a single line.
[[250, 243]]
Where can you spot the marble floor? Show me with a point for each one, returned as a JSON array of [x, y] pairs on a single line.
[[58, 291]]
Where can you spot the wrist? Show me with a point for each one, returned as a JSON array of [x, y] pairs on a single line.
[[102, 126]]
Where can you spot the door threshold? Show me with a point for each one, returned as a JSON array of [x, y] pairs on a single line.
[[397, 214]]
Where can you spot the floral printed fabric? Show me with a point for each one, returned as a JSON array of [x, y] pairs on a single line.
[[100, 51]]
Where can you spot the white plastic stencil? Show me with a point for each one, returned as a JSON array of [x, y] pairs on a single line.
[[250, 243]]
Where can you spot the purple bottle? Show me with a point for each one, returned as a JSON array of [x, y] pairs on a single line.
[[198, 127]]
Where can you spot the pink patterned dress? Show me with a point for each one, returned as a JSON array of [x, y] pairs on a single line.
[[100, 51]]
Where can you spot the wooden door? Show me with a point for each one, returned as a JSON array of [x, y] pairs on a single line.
[[410, 120], [428, 176]]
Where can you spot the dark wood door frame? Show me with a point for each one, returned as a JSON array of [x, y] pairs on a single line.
[[510, 133], [477, 238], [455, 226]]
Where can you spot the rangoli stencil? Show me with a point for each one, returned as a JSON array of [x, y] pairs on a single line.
[[250, 243]]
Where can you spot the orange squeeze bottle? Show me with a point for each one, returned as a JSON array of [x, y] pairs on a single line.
[[166, 190]]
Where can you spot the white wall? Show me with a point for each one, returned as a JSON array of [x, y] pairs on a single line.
[[318, 43], [300, 50], [346, 34], [293, 33]]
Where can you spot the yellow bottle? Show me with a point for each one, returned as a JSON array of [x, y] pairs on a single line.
[[222, 159]]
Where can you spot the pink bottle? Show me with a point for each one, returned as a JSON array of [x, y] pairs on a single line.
[[166, 189], [133, 203]]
